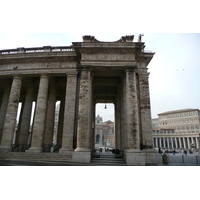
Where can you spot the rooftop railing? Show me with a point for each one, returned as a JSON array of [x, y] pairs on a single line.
[[36, 50]]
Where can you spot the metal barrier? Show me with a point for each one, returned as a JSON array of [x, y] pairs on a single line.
[[179, 158]]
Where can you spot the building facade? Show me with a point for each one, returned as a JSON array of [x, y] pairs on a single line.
[[178, 129], [104, 133], [79, 76]]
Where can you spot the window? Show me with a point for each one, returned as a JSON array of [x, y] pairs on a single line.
[[97, 138]]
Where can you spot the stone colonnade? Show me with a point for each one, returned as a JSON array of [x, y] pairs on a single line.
[[45, 91], [75, 130], [176, 142], [67, 74]]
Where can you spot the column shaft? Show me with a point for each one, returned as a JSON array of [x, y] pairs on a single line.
[[40, 115], [160, 143], [69, 114], [172, 145], [82, 152], [11, 114], [184, 143], [4, 105], [180, 142], [164, 142], [50, 116], [192, 140], [84, 112], [156, 142], [168, 143], [25, 118], [117, 123], [123, 114], [188, 142], [133, 138], [176, 146], [197, 142], [145, 110]]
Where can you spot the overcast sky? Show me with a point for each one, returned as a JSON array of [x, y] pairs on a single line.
[[174, 73], [174, 69]]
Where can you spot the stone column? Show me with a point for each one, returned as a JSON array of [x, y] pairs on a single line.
[[192, 140], [172, 142], [160, 142], [4, 105], [117, 123], [25, 117], [168, 143], [69, 114], [11, 114], [180, 142], [93, 127], [83, 152], [164, 142], [133, 142], [156, 142], [176, 146], [123, 114], [145, 110], [188, 142], [184, 145], [50, 116], [197, 142], [40, 116]]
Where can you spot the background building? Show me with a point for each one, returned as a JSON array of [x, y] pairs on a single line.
[[177, 129], [104, 133]]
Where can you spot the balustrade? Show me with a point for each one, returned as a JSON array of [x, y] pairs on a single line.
[[36, 50]]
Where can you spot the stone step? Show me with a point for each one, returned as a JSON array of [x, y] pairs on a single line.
[[104, 160], [35, 156], [107, 159]]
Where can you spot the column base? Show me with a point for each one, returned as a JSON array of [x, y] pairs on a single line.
[[66, 151], [5, 149], [34, 150], [136, 157], [81, 156]]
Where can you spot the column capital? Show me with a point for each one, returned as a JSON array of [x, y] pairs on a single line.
[[142, 74], [85, 67], [130, 68], [17, 76], [72, 74], [45, 75]]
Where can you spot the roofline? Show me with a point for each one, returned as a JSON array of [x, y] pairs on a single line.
[[178, 111]]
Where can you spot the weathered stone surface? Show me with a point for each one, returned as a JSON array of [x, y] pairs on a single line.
[[11, 114], [85, 73], [40, 114], [69, 116]]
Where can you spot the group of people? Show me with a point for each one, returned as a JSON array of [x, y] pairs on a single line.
[[183, 151]]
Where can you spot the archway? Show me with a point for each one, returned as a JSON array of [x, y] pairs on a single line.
[[104, 126]]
